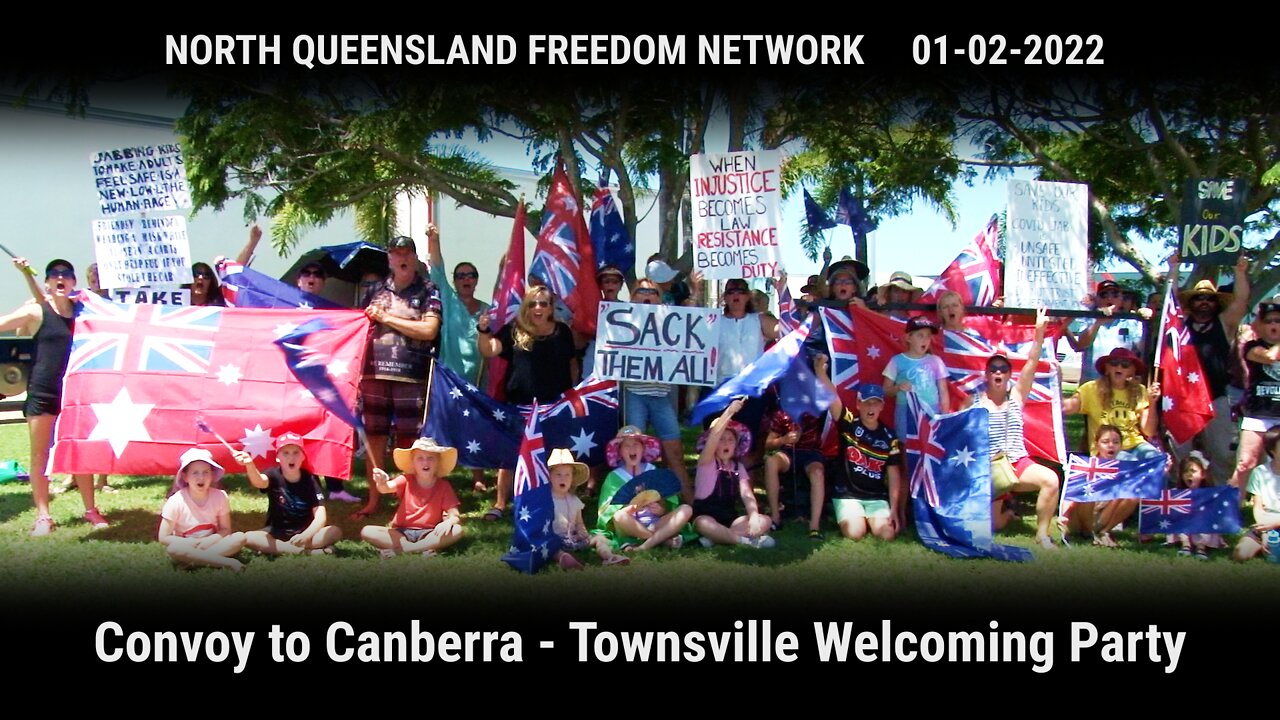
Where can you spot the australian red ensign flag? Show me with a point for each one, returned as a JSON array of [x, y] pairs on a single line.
[[140, 377]]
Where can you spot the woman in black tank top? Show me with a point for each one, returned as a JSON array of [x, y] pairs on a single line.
[[49, 321]]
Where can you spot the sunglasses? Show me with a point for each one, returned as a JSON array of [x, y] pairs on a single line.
[[999, 369], [1204, 299], [199, 274], [646, 291], [1121, 363], [61, 273], [540, 303], [311, 272], [466, 276]]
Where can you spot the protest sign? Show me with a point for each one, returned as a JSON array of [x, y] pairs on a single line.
[[1047, 248], [144, 251], [173, 296], [736, 214], [657, 343], [1212, 220], [140, 179]]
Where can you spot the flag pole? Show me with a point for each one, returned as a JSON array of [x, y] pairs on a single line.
[[426, 404]]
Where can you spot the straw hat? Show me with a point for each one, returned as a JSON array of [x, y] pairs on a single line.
[[448, 456], [1205, 287], [563, 456]]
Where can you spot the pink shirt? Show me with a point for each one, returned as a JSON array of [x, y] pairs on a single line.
[[192, 519]]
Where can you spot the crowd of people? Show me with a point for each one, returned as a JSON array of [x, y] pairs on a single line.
[[857, 470]]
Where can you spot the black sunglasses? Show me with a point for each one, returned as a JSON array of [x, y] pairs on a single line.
[[466, 276]]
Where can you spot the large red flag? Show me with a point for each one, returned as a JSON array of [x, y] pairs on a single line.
[[141, 376], [975, 273], [1185, 403], [565, 259], [506, 302], [877, 338]]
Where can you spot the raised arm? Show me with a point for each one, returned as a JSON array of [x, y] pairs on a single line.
[[251, 246], [1235, 312], [1028, 376], [821, 363], [717, 428]]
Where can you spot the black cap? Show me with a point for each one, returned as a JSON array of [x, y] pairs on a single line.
[[59, 263], [402, 241], [921, 322], [315, 267]]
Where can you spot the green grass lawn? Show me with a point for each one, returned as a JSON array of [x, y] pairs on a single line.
[[126, 558]]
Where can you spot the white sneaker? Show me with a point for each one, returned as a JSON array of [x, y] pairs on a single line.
[[706, 542], [762, 542]]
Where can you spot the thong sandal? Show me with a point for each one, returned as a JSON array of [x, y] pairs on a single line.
[[617, 560], [362, 514], [494, 514], [1104, 539]]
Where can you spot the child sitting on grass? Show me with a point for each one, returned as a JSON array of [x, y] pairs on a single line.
[[566, 476], [296, 518], [1264, 486], [632, 453], [195, 523], [722, 482], [1193, 473], [428, 519]]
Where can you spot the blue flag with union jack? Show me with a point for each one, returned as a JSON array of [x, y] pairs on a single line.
[[815, 217], [311, 367], [584, 419], [755, 378], [243, 286], [1094, 479], [532, 541], [1199, 510], [485, 431], [609, 235], [948, 463]]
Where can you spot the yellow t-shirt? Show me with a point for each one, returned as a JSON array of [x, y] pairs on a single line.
[[1128, 420]]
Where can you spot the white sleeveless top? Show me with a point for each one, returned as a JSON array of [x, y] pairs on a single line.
[[741, 342], [1005, 427]]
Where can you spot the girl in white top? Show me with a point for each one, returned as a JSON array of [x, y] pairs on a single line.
[[195, 524], [1264, 486]]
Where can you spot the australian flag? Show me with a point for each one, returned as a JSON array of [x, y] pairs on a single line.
[[778, 361], [815, 217], [485, 431], [243, 286], [1093, 479], [948, 463], [311, 367], [1202, 510], [532, 541], [609, 236], [584, 419]]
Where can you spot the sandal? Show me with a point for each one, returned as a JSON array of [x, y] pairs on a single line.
[[675, 543], [494, 514], [1046, 543], [1104, 539], [567, 561], [617, 560], [816, 536], [386, 553], [44, 525]]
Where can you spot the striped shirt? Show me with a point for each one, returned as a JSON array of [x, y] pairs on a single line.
[[1005, 428]]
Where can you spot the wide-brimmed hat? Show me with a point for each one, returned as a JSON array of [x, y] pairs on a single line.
[[1121, 353], [847, 265], [652, 448], [564, 456], [903, 281], [744, 438], [448, 456], [198, 455], [1205, 287], [812, 285]]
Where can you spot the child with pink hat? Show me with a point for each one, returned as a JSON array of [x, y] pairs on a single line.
[[631, 453], [195, 523], [721, 481]]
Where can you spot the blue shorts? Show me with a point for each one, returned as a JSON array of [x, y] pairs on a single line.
[[643, 410]]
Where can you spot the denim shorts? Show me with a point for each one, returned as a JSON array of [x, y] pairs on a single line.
[[643, 410]]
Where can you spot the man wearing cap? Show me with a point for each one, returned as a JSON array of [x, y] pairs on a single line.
[[406, 313], [1213, 319], [610, 279], [1107, 333]]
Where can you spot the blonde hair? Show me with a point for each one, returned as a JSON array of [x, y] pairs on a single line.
[[524, 335], [1106, 396]]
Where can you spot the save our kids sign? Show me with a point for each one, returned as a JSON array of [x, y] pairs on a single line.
[[657, 343], [736, 213], [1212, 220]]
